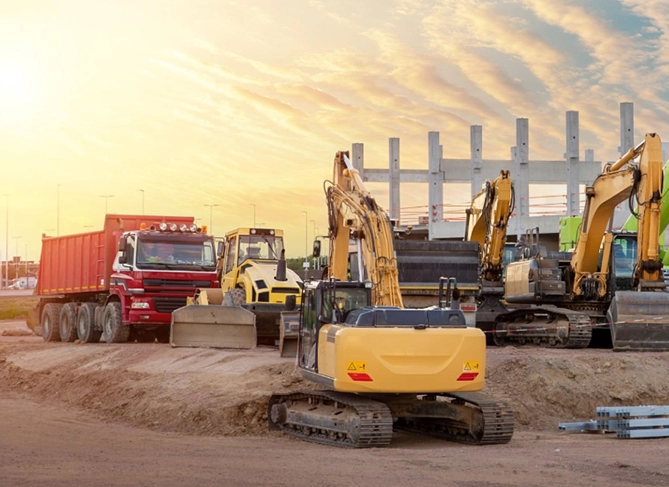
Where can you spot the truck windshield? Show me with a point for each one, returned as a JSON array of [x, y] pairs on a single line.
[[259, 247], [175, 252]]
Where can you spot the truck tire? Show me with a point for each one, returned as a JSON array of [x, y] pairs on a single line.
[[235, 297], [86, 330], [67, 326], [113, 329], [50, 316]]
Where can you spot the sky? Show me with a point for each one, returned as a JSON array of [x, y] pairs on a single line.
[[165, 107]]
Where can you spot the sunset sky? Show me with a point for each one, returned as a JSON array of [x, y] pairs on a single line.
[[240, 103]]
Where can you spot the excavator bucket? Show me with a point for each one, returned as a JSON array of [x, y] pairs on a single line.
[[209, 324], [640, 321]]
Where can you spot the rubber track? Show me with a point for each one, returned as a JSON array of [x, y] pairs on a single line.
[[374, 418], [580, 329], [497, 422]]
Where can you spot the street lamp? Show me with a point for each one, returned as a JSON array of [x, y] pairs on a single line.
[[16, 264], [106, 197], [306, 242], [211, 225], [58, 210], [254, 213], [142, 200], [7, 242]]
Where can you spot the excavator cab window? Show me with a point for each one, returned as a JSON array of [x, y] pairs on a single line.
[[624, 257]]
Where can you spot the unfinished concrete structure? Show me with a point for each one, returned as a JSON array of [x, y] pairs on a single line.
[[571, 171]]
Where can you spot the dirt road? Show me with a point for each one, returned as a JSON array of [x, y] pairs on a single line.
[[148, 414]]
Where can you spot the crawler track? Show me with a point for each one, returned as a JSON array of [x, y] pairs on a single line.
[[547, 326], [332, 418], [474, 417], [354, 421]]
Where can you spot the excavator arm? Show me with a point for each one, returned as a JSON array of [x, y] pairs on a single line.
[[487, 220], [353, 212], [620, 181]]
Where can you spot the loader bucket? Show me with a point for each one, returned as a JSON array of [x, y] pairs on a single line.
[[213, 326], [640, 321]]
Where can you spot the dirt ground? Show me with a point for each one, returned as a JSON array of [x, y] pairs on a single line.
[[149, 414]]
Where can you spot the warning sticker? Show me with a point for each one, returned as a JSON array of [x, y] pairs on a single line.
[[356, 366], [470, 367]]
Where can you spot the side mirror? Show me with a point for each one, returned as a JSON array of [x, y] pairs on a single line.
[[317, 249], [123, 258], [220, 249], [122, 243], [291, 302]]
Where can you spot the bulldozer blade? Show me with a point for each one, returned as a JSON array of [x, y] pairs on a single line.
[[213, 326], [640, 321]]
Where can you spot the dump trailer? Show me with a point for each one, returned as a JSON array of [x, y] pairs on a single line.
[[253, 275], [122, 282]]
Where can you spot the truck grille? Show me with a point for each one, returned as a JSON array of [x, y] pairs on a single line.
[[164, 304], [175, 283]]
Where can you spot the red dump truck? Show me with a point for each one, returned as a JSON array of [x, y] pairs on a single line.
[[121, 282]]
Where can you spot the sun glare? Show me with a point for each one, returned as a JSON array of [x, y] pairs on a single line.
[[18, 81]]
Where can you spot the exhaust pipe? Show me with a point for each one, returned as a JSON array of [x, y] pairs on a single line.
[[281, 267]]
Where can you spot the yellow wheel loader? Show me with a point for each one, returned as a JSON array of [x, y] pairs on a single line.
[[256, 290]]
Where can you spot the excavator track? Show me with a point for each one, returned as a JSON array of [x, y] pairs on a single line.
[[331, 418], [473, 417], [547, 326]]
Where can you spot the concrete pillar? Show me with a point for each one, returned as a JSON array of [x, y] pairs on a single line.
[[522, 179], [434, 180], [476, 139], [571, 157], [358, 158], [626, 127], [589, 155], [394, 167]]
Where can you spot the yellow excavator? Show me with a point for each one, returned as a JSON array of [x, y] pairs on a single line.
[[612, 280], [486, 223], [382, 367]]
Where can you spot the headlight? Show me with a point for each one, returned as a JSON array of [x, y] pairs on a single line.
[[140, 305], [183, 227], [163, 227], [173, 227], [193, 228]]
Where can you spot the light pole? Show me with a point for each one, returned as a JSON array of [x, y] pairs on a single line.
[[16, 264], [7, 241], [106, 197], [142, 200], [306, 240], [211, 225], [58, 210], [254, 213]]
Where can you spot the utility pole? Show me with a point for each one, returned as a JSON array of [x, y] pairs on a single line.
[[211, 226]]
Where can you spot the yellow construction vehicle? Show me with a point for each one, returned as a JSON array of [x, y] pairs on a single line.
[[612, 280], [383, 367], [253, 275], [486, 223]]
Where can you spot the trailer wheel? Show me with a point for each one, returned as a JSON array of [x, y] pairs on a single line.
[[66, 323], [50, 315], [86, 330], [113, 329]]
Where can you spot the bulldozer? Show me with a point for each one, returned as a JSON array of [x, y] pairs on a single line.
[[382, 367], [610, 280], [257, 296]]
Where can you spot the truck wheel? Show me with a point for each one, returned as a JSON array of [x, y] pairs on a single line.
[[86, 330], [66, 323], [113, 329], [235, 297], [50, 315]]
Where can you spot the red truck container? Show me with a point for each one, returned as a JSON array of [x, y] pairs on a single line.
[[122, 282]]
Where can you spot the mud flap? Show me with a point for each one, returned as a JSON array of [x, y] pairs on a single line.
[[290, 325], [639, 321], [213, 326]]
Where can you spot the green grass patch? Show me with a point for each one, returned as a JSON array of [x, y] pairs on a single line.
[[16, 308]]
